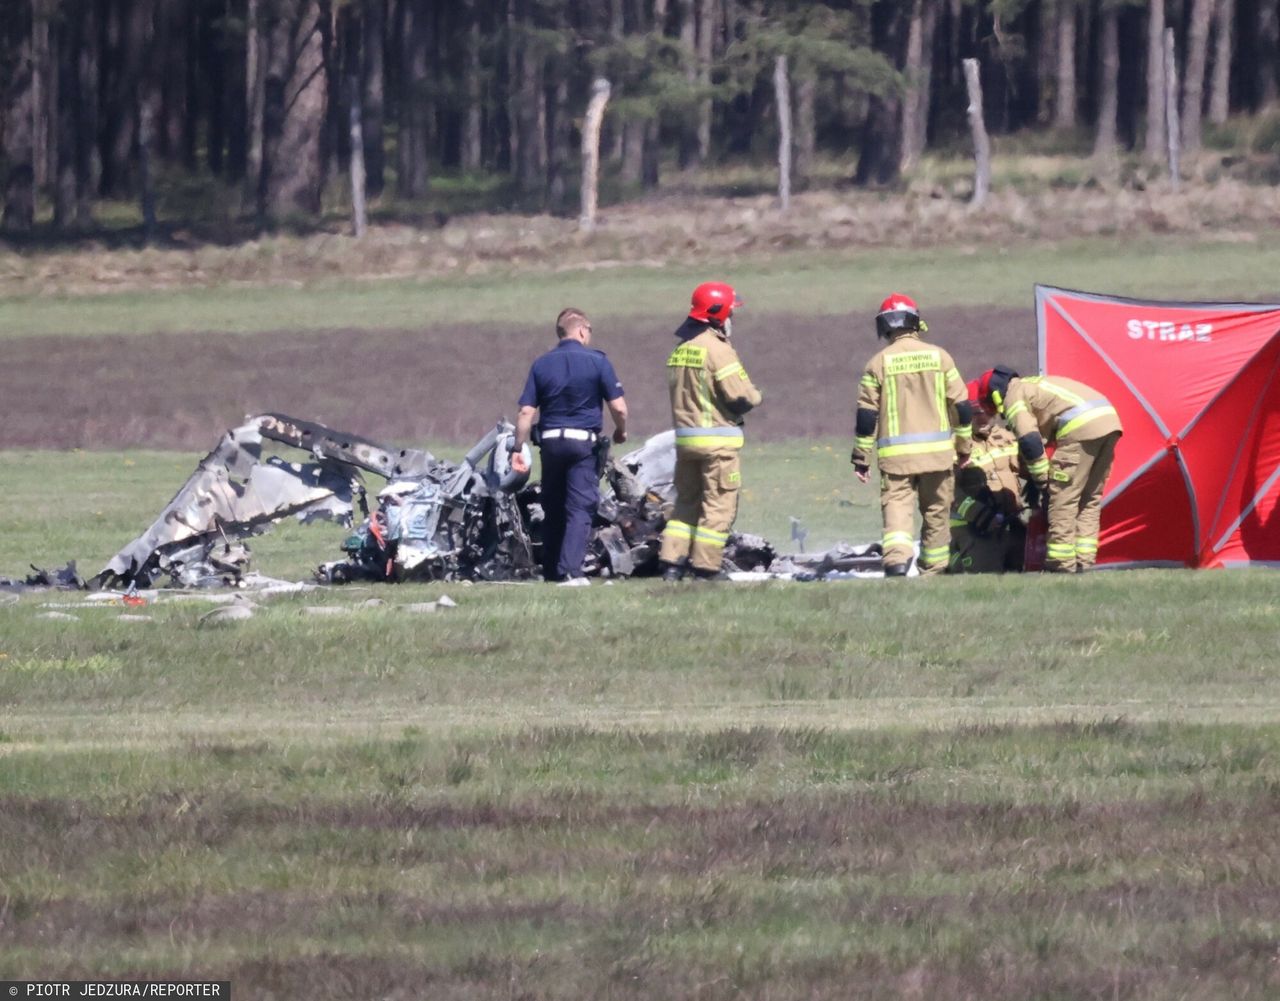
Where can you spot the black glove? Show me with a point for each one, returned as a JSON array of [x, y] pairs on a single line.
[[1031, 494], [990, 519]]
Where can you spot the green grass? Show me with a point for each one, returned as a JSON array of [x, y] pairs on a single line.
[[1004, 788], [790, 283]]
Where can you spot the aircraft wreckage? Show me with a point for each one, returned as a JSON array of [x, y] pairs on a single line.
[[477, 519]]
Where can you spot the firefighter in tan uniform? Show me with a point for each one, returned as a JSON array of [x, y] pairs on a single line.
[[1084, 428], [710, 394], [987, 533], [914, 416]]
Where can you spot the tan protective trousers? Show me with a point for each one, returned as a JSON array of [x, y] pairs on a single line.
[[707, 482], [1077, 475], [999, 552], [900, 494]]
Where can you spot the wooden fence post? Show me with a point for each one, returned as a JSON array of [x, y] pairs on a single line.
[[981, 141]]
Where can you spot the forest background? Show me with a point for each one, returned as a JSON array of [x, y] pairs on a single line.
[[239, 114]]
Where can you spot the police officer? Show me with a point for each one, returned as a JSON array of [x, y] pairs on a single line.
[[710, 395], [565, 390], [914, 417]]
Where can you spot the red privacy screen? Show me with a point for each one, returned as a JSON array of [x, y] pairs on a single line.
[[1197, 386]]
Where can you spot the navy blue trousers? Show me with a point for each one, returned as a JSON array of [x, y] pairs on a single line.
[[570, 495]]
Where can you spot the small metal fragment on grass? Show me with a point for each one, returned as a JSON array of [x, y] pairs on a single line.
[[237, 612], [420, 607], [444, 601], [372, 603]]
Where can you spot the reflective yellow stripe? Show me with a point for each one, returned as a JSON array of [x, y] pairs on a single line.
[[940, 401], [917, 448], [732, 369], [964, 432], [709, 441], [935, 555], [898, 539], [866, 444], [706, 535], [868, 379], [1083, 419], [704, 398], [1041, 465], [1059, 391], [678, 530], [959, 523], [965, 504], [891, 407], [1087, 545], [1014, 410], [1060, 551], [954, 373]]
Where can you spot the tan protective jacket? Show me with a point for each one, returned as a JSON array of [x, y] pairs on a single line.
[[992, 466], [710, 392], [914, 387], [1059, 410]]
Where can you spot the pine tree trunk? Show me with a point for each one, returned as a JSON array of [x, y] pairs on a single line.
[[295, 111], [66, 197], [978, 128], [42, 71], [688, 17], [373, 97], [916, 99], [806, 129], [1104, 145], [1268, 56], [782, 100], [472, 152], [530, 101], [633, 136], [706, 54], [592, 121], [359, 179], [411, 143], [1154, 146], [558, 151], [1065, 105], [18, 128], [1172, 125], [255, 99], [880, 159], [1224, 18], [88, 158], [1193, 88], [213, 61]]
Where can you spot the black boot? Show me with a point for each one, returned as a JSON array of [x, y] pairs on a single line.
[[672, 572], [895, 570]]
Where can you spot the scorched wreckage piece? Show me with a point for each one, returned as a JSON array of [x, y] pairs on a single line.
[[434, 520]]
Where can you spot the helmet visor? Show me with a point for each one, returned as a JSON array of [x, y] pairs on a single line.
[[896, 319]]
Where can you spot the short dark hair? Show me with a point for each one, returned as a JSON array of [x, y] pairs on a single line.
[[569, 318]]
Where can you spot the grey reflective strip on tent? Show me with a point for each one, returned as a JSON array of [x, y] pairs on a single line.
[[1248, 509]]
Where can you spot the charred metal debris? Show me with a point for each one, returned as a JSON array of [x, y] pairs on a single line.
[[432, 520]]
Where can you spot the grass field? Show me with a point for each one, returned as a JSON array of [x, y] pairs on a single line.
[[1001, 788], [795, 283], [997, 788]]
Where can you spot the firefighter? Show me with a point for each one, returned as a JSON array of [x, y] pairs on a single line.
[[912, 396], [1083, 427], [987, 533], [710, 395], [566, 389]]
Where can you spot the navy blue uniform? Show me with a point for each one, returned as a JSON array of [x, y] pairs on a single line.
[[569, 385]]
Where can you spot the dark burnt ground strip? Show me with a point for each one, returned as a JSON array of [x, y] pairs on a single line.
[[1173, 896], [449, 383]]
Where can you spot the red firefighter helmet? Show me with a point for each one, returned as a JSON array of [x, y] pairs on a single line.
[[897, 313], [714, 302], [991, 387]]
